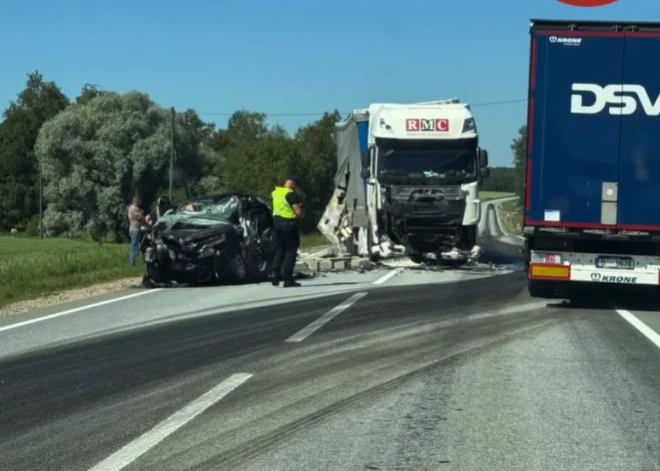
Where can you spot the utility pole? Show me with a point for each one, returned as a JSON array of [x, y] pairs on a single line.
[[172, 155]]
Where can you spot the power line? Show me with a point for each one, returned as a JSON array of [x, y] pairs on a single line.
[[472, 105]]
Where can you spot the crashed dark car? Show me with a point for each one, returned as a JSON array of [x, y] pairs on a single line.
[[218, 238]]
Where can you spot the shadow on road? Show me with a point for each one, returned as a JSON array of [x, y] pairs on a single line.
[[632, 298]]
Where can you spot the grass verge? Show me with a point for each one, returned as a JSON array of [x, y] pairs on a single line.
[[313, 240], [33, 267], [493, 195], [511, 217]]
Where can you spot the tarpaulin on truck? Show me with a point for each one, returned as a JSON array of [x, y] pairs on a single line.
[[347, 208]]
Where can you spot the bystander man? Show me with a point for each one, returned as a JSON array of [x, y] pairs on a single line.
[[135, 220]]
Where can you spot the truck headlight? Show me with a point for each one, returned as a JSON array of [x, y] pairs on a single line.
[[469, 125]]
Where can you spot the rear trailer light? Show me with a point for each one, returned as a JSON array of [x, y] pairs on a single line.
[[545, 271], [546, 258]]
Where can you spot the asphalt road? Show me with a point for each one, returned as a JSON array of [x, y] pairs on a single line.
[[463, 374]]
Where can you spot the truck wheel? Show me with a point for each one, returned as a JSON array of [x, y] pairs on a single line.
[[540, 289]]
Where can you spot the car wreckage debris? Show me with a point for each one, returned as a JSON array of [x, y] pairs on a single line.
[[220, 238]]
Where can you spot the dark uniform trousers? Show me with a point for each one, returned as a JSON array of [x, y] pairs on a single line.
[[287, 239]]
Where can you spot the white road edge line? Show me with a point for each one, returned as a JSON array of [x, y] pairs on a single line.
[[649, 333], [77, 309], [325, 318], [145, 442], [389, 275]]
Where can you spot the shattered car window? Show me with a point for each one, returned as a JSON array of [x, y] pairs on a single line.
[[203, 213]]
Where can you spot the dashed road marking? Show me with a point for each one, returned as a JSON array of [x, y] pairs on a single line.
[[129, 453], [325, 318], [388, 276]]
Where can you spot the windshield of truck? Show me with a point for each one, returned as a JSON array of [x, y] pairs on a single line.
[[438, 163]]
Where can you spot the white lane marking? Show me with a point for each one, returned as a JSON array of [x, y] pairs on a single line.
[[389, 275], [325, 318], [144, 443], [77, 309], [649, 333]]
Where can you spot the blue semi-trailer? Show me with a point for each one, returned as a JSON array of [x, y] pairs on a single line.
[[591, 207]]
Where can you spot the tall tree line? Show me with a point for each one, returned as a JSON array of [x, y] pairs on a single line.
[[95, 151], [519, 151]]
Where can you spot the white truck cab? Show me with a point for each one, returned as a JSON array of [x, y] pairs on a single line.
[[420, 168]]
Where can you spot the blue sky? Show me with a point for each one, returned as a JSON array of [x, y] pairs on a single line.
[[292, 56]]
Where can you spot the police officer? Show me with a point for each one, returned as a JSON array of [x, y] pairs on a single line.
[[287, 213]]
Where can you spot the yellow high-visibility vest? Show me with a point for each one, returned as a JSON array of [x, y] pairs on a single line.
[[281, 206]]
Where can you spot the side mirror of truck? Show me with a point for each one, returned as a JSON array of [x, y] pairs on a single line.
[[366, 173], [483, 158], [483, 173]]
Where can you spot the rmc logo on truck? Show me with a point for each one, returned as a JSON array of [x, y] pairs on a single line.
[[612, 97]]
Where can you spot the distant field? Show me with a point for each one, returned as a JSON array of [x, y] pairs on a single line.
[[511, 216], [493, 195], [32, 267], [311, 241]]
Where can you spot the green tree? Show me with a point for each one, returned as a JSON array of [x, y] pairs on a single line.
[[501, 179], [316, 165], [98, 154], [254, 158], [245, 125], [519, 150], [192, 154], [88, 93], [19, 169], [256, 166]]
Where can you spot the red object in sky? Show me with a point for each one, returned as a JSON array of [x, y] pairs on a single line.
[[587, 3]]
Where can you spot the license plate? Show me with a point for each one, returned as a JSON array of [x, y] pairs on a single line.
[[620, 263]]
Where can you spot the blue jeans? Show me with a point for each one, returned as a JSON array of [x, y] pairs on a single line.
[[135, 246]]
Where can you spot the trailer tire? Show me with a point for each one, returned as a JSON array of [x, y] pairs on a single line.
[[541, 288]]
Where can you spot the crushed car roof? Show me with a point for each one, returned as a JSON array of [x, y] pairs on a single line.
[[206, 211]]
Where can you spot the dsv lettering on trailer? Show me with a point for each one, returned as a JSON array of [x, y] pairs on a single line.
[[619, 99], [614, 278]]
